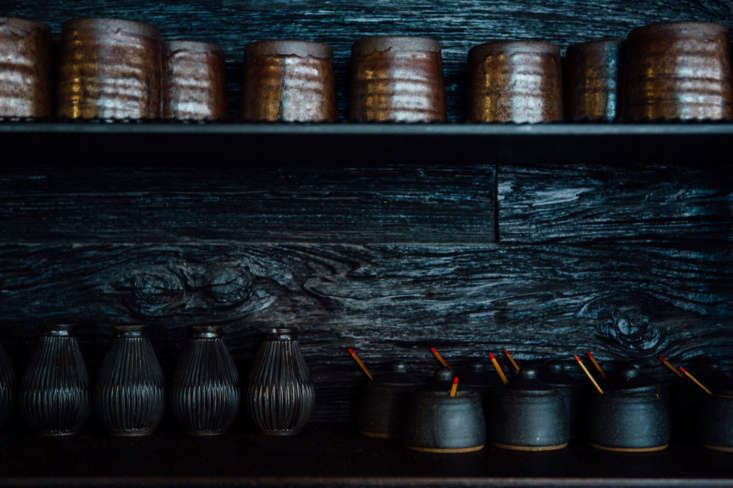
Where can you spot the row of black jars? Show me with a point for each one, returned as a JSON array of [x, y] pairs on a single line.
[[541, 409], [130, 393]]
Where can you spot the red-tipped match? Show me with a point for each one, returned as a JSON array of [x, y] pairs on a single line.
[[576, 357], [491, 356], [440, 358], [351, 351], [587, 373], [661, 358], [696, 381], [360, 363], [669, 366], [454, 388]]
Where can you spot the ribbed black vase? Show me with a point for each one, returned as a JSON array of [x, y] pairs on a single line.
[[280, 394], [7, 388], [54, 398], [204, 395], [130, 390]]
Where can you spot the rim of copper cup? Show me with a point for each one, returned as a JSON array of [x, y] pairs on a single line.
[[192, 45], [106, 24], [289, 47], [24, 23], [368, 45], [677, 28], [515, 46]]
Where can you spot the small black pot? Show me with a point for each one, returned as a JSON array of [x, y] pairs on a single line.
[[435, 422], [572, 389], [530, 416], [383, 402], [632, 416], [715, 421]]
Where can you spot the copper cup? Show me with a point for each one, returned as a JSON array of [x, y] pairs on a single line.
[[109, 69], [678, 70], [590, 78], [396, 79], [194, 83], [515, 81], [26, 69], [288, 80]]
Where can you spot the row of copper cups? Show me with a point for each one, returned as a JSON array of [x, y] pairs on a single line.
[[120, 69]]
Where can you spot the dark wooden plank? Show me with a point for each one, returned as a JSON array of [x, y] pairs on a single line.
[[458, 24], [444, 204], [389, 301]]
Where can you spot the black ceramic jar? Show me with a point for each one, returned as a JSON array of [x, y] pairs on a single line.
[[130, 391], [631, 416], [382, 404], [573, 390], [280, 393], [715, 421], [436, 422], [54, 390], [7, 388], [530, 415]]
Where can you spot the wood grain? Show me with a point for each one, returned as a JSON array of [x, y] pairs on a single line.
[[458, 25]]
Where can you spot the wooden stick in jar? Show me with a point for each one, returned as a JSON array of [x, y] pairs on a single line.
[[454, 387], [498, 369], [696, 381], [511, 360], [440, 358], [587, 373], [671, 368], [597, 366], [361, 365]]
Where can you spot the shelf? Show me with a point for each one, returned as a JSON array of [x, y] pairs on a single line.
[[332, 455], [365, 144]]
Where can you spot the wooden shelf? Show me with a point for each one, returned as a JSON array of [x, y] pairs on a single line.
[[333, 456], [342, 144]]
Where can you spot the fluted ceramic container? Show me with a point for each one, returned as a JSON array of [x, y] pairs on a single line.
[[26, 69], [7, 388], [109, 69], [677, 70], [54, 390], [280, 394], [515, 81], [396, 78], [591, 79], [194, 83], [130, 390], [204, 394], [288, 80]]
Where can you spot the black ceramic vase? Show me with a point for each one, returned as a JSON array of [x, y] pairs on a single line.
[[437, 422], [54, 398], [382, 404], [204, 394], [7, 388], [130, 391], [530, 415], [631, 416], [280, 394]]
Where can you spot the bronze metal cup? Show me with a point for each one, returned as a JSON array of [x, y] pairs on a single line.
[[288, 80], [515, 81], [26, 70], [677, 71], [398, 79], [591, 79], [194, 82], [109, 69]]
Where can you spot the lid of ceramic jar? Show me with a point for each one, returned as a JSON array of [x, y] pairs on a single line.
[[396, 376], [442, 375], [631, 381], [554, 373], [480, 375], [528, 381]]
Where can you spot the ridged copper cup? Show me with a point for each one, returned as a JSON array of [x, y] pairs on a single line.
[[26, 69], [194, 82], [515, 81], [397, 79], [288, 80], [678, 70], [591, 79], [109, 69]]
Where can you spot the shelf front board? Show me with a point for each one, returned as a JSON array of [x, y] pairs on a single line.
[[317, 145], [334, 456]]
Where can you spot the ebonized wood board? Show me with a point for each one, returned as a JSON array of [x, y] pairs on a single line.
[[627, 263], [334, 456], [458, 24]]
